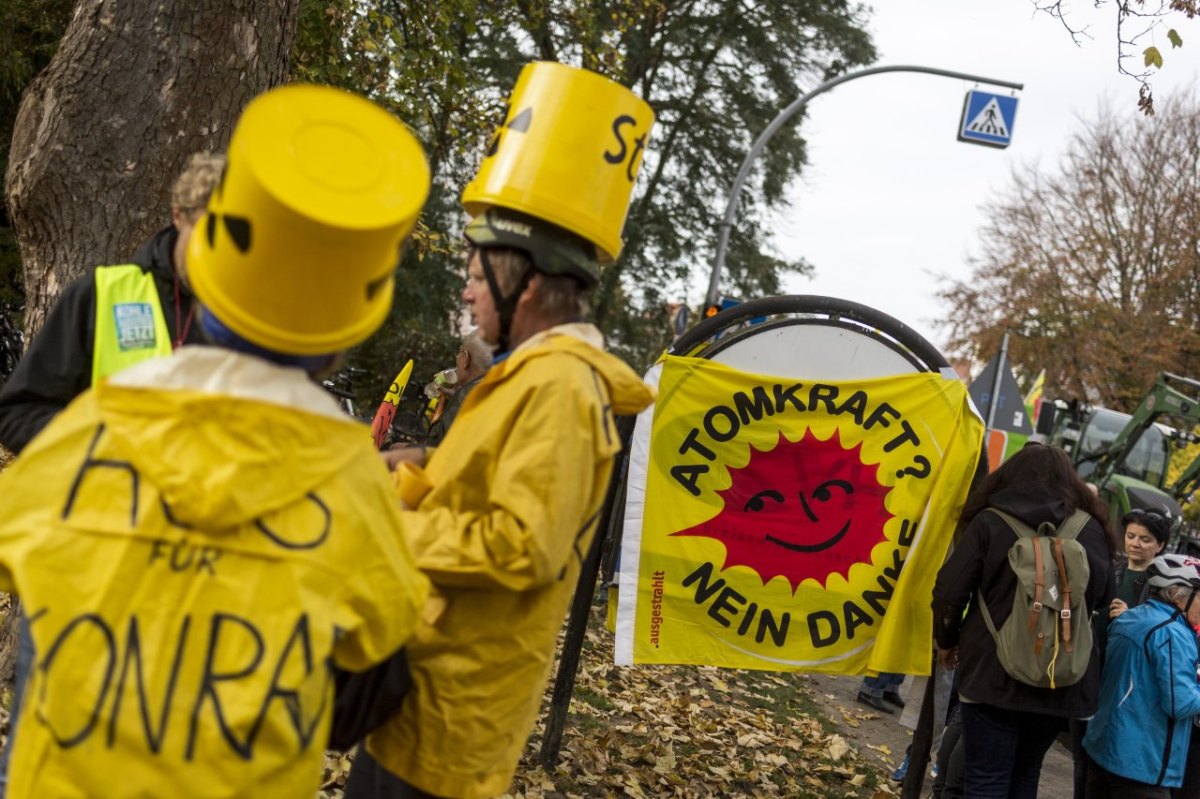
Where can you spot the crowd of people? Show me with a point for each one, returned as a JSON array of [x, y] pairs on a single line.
[[1116, 676], [219, 573]]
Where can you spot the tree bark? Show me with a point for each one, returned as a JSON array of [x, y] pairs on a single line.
[[135, 87]]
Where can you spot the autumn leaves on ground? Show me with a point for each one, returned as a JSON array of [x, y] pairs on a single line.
[[686, 732]]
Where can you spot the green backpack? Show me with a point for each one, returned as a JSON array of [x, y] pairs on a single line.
[[1046, 641]]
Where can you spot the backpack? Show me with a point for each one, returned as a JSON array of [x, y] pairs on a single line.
[[1046, 641]]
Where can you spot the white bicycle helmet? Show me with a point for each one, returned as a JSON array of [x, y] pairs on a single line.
[[1168, 570]]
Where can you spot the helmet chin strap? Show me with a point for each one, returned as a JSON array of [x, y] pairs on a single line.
[[506, 307]]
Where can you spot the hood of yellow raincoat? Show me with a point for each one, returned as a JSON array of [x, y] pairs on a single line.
[[200, 518], [165, 419], [584, 341]]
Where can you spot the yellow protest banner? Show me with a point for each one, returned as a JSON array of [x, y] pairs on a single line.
[[793, 524]]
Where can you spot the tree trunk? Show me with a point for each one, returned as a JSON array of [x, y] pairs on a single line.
[[135, 87]]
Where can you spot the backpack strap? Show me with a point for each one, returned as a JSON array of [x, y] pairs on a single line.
[[1069, 530], [1074, 524], [1023, 530], [1065, 584], [1019, 527], [1039, 582]]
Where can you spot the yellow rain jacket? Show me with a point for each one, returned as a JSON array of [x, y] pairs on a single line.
[[197, 541], [504, 514]]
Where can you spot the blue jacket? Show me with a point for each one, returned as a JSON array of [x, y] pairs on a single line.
[[1148, 695]]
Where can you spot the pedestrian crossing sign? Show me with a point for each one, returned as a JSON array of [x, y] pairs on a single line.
[[987, 119]]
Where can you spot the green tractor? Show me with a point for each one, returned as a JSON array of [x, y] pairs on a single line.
[[1126, 456]]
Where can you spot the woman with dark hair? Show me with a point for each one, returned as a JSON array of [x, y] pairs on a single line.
[[1144, 537], [1008, 725], [1145, 534]]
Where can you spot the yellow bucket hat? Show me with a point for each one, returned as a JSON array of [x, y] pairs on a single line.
[[568, 153], [299, 246]]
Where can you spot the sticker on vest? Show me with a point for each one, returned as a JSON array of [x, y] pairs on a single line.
[[1053, 593], [135, 325]]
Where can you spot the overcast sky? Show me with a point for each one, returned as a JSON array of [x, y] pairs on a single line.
[[890, 198]]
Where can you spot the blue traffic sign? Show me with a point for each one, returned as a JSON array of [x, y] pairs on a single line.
[[987, 119]]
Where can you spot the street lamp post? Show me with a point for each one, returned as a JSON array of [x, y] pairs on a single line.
[[786, 114]]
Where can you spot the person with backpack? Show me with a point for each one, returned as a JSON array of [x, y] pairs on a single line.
[[1137, 743], [1034, 562]]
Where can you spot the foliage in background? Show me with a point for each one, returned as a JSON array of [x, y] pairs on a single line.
[[1095, 266], [1144, 30], [413, 59], [29, 35], [1180, 459], [715, 72]]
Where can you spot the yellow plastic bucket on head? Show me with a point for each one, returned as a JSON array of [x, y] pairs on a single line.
[[568, 152], [299, 246]]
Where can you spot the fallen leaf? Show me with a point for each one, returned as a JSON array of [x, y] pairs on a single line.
[[838, 748]]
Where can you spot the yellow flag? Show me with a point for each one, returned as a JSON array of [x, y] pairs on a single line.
[[1033, 400], [794, 524], [382, 424]]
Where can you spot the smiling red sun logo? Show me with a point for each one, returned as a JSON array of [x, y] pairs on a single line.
[[804, 509]]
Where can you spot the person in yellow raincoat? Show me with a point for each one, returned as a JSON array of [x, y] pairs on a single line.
[[201, 538], [502, 514]]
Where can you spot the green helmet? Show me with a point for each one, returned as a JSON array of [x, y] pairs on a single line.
[[553, 250]]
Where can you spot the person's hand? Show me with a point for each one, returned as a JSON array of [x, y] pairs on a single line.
[[402, 453], [1116, 608], [948, 658]]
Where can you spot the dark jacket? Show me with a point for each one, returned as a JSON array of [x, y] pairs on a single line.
[[1101, 621], [978, 567], [57, 366], [1140, 585]]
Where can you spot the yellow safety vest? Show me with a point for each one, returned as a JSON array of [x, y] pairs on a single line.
[[130, 326]]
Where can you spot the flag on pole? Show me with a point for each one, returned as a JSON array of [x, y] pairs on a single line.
[[1033, 400], [1010, 422], [797, 525], [382, 423]]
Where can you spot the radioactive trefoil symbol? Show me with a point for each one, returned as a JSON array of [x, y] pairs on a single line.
[[518, 124]]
